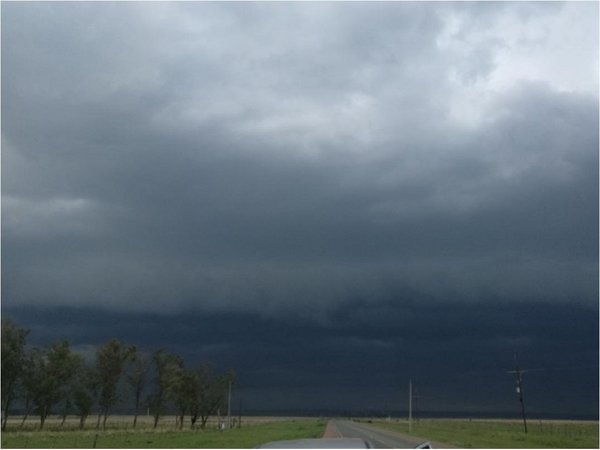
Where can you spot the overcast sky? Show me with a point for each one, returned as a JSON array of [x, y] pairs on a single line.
[[329, 197]]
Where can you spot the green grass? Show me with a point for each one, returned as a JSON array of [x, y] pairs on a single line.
[[246, 437], [503, 433]]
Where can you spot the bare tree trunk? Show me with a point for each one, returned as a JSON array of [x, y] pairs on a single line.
[[65, 412], [137, 408], [64, 415], [105, 417], [82, 421], [27, 412], [43, 414], [98, 422], [7, 403], [5, 415], [5, 411]]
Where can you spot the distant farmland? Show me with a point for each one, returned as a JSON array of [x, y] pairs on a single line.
[[498, 433], [120, 434]]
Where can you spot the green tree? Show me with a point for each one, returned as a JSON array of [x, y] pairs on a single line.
[[136, 376], [199, 383], [110, 362], [49, 377], [167, 366], [30, 380], [73, 365], [209, 393], [85, 392], [13, 363], [182, 392]]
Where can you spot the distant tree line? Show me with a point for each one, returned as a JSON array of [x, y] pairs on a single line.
[[57, 380]]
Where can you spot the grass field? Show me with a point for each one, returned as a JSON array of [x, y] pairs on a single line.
[[502, 433], [249, 436]]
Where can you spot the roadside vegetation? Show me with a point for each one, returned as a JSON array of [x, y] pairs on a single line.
[[248, 436], [57, 381], [502, 433]]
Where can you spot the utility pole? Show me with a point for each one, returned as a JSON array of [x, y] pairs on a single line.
[[518, 373], [409, 406]]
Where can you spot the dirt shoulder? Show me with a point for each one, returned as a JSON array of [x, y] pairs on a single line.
[[330, 431]]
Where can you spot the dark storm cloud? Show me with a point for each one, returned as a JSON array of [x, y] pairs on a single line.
[[456, 354], [311, 187], [263, 225]]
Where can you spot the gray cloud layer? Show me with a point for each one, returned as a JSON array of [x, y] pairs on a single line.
[[291, 157], [330, 197]]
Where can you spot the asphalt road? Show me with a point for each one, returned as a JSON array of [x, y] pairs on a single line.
[[377, 437]]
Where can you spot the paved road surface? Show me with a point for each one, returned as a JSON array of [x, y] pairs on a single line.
[[377, 437]]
